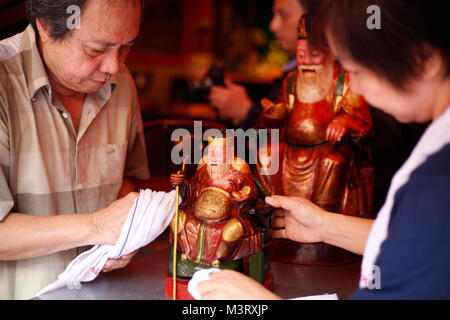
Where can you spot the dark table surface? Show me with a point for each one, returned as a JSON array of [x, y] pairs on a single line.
[[143, 279]]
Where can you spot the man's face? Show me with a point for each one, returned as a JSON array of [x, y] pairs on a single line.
[[286, 14], [87, 57]]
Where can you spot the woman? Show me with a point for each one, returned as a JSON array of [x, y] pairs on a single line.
[[402, 68]]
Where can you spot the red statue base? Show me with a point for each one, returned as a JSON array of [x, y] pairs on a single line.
[[182, 286], [318, 254]]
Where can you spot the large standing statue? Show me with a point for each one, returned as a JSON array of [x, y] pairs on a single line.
[[321, 154], [214, 225]]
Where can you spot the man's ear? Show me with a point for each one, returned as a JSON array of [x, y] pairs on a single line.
[[44, 32]]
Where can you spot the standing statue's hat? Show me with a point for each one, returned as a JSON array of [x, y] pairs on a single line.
[[301, 29]]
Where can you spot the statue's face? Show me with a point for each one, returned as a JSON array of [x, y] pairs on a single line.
[[219, 161], [220, 154], [315, 72], [310, 58]]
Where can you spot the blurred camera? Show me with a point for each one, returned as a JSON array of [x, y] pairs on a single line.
[[199, 90]]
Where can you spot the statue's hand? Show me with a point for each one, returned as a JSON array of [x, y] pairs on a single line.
[[176, 179], [239, 196], [267, 103], [335, 131], [273, 110]]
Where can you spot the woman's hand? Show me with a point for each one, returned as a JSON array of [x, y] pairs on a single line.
[[296, 219], [233, 285]]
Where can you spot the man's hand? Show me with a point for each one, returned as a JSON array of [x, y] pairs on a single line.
[[296, 219], [232, 101], [120, 262], [233, 285], [108, 222]]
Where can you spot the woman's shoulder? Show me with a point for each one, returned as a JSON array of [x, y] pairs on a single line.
[[436, 165], [427, 193]]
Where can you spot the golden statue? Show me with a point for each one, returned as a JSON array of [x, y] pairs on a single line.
[[321, 155], [213, 225]]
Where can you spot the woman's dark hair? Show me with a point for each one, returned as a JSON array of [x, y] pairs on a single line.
[[410, 31], [54, 14]]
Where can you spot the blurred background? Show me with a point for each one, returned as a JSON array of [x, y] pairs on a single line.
[[179, 41]]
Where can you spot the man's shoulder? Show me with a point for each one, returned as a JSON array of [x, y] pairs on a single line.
[[124, 82], [124, 75], [10, 47]]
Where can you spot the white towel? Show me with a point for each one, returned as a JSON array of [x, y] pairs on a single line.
[[205, 274], [148, 218], [325, 296], [199, 276]]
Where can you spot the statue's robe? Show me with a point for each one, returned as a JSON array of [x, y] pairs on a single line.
[[330, 175], [211, 226]]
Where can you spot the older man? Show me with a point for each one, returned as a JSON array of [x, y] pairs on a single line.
[[70, 138], [233, 101]]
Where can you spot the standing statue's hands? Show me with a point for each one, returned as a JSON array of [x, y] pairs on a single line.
[[233, 285], [336, 131], [296, 219]]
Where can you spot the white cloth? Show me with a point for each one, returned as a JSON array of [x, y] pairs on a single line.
[[199, 276], [148, 218], [325, 296], [205, 274], [435, 138]]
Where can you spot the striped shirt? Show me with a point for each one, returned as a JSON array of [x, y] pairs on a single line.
[[48, 168]]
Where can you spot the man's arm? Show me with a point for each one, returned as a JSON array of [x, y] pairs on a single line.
[[126, 188], [24, 236]]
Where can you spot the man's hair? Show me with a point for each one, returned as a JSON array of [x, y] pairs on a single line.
[[54, 14], [410, 31]]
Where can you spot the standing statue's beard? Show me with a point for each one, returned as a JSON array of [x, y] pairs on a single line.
[[314, 81], [217, 171]]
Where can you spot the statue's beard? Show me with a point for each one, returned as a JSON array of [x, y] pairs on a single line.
[[314, 82], [217, 171]]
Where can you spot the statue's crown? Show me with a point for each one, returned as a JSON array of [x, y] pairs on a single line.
[[301, 28], [221, 142]]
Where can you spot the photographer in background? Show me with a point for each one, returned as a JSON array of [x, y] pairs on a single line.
[[232, 100]]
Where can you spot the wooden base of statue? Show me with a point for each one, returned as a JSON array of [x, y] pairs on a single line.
[[319, 254], [182, 286]]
